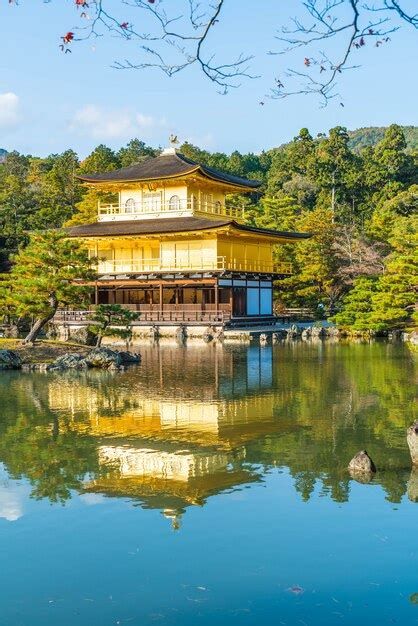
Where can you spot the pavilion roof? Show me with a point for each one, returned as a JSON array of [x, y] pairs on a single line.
[[173, 225], [169, 164]]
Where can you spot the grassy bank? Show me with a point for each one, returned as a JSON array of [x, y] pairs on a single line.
[[42, 351]]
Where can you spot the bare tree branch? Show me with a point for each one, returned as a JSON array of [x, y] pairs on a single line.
[[347, 21], [176, 42], [171, 40]]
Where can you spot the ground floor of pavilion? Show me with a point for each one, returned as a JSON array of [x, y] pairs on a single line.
[[190, 300]]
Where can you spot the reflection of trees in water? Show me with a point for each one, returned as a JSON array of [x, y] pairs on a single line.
[[352, 397], [311, 411], [54, 461], [39, 444]]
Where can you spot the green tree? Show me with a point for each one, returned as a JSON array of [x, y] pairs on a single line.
[[18, 202], [46, 274], [357, 306], [112, 320], [59, 191], [290, 160], [337, 172], [102, 159], [390, 153], [394, 304], [388, 302], [134, 152], [279, 212], [314, 282], [386, 214], [86, 210]]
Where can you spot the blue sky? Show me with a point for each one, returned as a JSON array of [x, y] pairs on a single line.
[[51, 101]]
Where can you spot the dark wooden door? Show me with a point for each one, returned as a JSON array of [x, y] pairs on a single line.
[[239, 301]]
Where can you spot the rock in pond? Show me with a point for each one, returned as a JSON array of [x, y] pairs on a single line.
[[279, 335], [103, 358], [208, 335], [294, 331], [181, 334], [83, 335], [318, 331], [154, 333], [361, 463], [10, 360], [306, 333], [106, 358], [332, 331], [412, 438], [129, 357], [71, 360]]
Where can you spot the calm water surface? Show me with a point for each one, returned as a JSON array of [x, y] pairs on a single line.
[[208, 486]]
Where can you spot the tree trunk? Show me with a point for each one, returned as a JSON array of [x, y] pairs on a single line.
[[99, 341], [41, 322]]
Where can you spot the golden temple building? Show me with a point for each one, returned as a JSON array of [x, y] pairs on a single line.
[[171, 247]]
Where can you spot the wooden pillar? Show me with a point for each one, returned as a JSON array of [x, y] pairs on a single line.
[[96, 293], [216, 296], [161, 298]]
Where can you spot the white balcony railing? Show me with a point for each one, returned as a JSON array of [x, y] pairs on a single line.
[[121, 266], [154, 208]]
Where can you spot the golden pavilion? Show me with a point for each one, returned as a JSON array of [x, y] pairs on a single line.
[[172, 248]]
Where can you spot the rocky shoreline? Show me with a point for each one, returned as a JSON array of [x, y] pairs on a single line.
[[100, 358], [59, 356]]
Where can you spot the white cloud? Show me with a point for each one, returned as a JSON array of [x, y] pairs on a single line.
[[103, 124], [11, 506], [9, 109]]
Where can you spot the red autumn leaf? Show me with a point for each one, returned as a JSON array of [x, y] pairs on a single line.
[[68, 37], [307, 62], [124, 25]]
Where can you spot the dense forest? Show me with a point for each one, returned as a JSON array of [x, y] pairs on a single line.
[[370, 136], [357, 195]]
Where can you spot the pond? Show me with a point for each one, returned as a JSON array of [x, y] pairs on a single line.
[[208, 485]]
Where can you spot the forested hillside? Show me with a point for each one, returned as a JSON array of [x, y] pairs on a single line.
[[359, 204], [370, 136]]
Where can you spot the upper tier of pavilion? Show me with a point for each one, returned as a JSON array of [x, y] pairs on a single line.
[[169, 185]]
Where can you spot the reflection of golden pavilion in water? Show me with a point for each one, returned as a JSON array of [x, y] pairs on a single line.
[[171, 448]]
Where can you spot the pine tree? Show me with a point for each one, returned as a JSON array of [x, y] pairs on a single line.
[[386, 215], [112, 320], [59, 191], [314, 282], [394, 304], [278, 213], [135, 152], [86, 209], [102, 159], [357, 306], [46, 274]]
